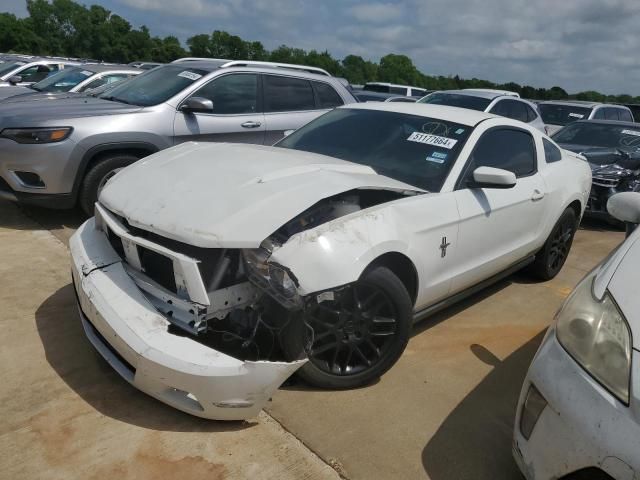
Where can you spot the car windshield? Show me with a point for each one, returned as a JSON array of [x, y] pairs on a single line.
[[8, 67], [155, 86], [416, 150], [457, 100], [62, 81], [600, 135], [556, 114]]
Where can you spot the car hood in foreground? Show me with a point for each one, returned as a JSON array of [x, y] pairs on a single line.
[[7, 92], [619, 275], [228, 195], [36, 112]]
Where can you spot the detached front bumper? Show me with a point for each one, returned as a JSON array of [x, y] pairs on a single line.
[[581, 427], [134, 339]]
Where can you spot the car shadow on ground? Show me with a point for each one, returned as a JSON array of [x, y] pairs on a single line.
[[599, 225], [25, 217], [474, 441], [296, 384], [74, 359]]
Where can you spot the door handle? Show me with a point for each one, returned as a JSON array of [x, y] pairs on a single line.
[[537, 195], [251, 124]]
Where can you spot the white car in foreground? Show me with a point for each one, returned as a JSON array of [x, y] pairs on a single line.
[[212, 272], [579, 410]]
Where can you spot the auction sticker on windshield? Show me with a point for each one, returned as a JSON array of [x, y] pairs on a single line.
[[631, 132], [434, 140], [576, 115], [190, 75]]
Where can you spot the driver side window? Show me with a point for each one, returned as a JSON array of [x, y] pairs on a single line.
[[232, 94], [508, 149]]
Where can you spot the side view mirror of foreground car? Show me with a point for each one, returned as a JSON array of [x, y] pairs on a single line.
[[197, 104], [489, 177], [626, 208], [15, 79]]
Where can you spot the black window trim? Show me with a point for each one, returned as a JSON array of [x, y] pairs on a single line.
[[459, 185], [259, 109], [315, 100]]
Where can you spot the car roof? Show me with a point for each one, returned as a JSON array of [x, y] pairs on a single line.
[[105, 67], [462, 116], [488, 94], [578, 103], [387, 84], [618, 123]]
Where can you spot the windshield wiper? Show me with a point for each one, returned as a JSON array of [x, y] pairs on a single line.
[[111, 98]]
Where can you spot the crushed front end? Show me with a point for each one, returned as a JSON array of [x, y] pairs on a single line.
[[195, 328], [607, 181]]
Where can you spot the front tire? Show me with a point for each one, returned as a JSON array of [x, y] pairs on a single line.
[[550, 259], [97, 177], [353, 339]]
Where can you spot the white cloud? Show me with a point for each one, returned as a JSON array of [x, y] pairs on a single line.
[[191, 8], [376, 12]]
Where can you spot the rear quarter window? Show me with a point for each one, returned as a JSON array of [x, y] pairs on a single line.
[[552, 153], [327, 97]]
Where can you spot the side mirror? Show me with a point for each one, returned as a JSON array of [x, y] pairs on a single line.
[[197, 104], [489, 177], [15, 79], [626, 208]]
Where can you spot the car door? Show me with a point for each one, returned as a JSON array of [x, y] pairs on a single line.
[[498, 227], [289, 103], [236, 116]]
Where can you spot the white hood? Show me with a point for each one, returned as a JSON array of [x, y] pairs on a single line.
[[226, 195]]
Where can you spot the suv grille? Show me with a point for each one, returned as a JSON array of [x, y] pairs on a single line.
[[606, 182]]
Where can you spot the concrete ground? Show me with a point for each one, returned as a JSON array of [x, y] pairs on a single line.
[[445, 411]]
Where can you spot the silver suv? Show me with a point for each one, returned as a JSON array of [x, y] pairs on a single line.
[[60, 153]]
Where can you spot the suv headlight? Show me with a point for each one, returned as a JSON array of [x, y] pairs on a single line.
[[37, 135], [596, 334]]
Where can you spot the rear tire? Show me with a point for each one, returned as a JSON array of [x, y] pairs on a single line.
[[98, 176], [354, 339], [552, 256]]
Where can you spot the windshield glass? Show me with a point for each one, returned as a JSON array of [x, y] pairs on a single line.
[[62, 81], [457, 100], [155, 86], [7, 67], [562, 114], [419, 151], [600, 135]]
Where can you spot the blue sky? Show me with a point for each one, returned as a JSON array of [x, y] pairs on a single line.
[[576, 44]]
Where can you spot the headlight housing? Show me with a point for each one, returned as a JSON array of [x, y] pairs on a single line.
[[596, 334], [37, 135], [276, 279]]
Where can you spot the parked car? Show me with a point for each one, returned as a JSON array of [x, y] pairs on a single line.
[[212, 272], [25, 71], [635, 110], [144, 65], [493, 101], [578, 411], [58, 153], [559, 113], [612, 150], [395, 89], [74, 80], [366, 96]]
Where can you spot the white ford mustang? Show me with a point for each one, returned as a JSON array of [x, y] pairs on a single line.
[[212, 272]]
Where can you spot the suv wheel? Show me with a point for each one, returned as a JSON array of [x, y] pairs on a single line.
[[98, 176]]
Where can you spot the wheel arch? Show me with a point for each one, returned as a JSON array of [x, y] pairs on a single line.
[[97, 152], [403, 267]]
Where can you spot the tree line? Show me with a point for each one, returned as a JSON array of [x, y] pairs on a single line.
[[66, 28]]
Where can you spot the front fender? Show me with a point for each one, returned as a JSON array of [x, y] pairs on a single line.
[[336, 253]]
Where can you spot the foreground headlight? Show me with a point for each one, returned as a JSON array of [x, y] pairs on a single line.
[[36, 135], [596, 334]]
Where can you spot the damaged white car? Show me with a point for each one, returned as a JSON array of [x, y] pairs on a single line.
[[212, 272]]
